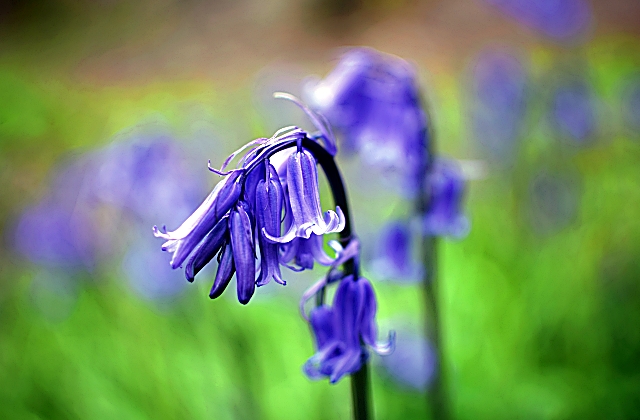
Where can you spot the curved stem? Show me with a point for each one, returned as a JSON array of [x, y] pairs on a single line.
[[360, 388]]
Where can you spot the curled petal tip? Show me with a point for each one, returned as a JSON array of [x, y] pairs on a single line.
[[385, 349], [159, 232]]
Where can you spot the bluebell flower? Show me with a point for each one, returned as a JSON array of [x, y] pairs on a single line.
[[344, 331], [54, 234], [574, 113], [182, 241], [61, 229], [269, 200], [394, 259], [305, 252], [244, 256], [144, 173], [562, 20], [241, 222], [498, 102], [444, 215], [373, 99], [304, 201]]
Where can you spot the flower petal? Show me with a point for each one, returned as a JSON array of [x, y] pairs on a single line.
[[226, 269], [243, 253], [207, 249]]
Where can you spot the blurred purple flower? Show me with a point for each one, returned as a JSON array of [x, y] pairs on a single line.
[[373, 99], [631, 104], [60, 230], [561, 20], [444, 215], [94, 197], [574, 113], [394, 259], [146, 174], [413, 362], [498, 105], [340, 331]]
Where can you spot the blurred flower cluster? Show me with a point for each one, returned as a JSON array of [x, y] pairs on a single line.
[[561, 20], [99, 206], [374, 101]]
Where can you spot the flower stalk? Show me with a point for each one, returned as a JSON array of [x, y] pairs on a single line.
[[360, 384], [437, 398]]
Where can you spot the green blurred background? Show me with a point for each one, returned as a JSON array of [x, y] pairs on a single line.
[[540, 303]]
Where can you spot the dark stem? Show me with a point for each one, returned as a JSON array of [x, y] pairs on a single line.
[[360, 388], [436, 396]]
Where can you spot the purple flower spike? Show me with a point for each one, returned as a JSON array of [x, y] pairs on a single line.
[[186, 238], [340, 330], [243, 252], [304, 199], [304, 252], [268, 213], [446, 191], [373, 99]]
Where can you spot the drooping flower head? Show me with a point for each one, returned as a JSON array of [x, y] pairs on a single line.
[[446, 187], [373, 99], [346, 330], [241, 221]]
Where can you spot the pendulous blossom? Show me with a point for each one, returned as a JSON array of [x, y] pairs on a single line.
[[344, 331], [241, 221], [304, 202], [268, 211], [444, 215], [304, 252], [373, 99]]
